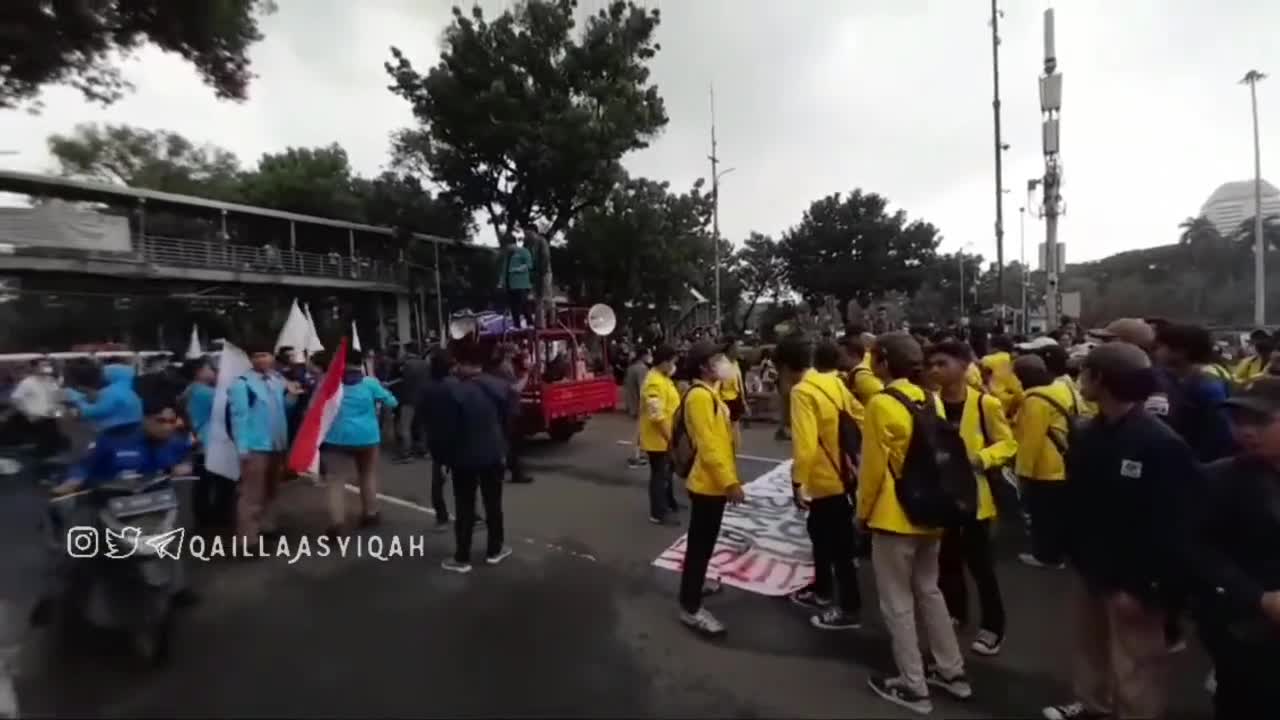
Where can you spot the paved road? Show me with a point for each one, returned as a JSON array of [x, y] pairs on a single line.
[[576, 623]]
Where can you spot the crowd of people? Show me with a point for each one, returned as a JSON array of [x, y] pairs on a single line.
[[1130, 455]]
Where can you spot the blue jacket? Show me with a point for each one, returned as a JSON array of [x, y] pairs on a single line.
[[356, 424], [117, 403], [126, 448], [260, 424], [200, 411], [470, 425], [1193, 408]]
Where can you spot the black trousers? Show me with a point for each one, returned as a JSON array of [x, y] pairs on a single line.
[[831, 533], [969, 546], [213, 499], [518, 304], [705, 514], [1046, 504], [1245, 672], [465, 483], [515, 448], [662, 494], [439, 476]]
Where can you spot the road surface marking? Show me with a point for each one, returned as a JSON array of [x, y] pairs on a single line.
[[755, 458], [401, 502]]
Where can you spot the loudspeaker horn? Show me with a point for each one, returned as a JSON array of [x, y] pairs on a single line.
[[601, 319], [462, 326]]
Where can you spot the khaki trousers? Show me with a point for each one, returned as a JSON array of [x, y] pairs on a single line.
[[260, 475], [350, 465], [1121, 659], [906, 571]]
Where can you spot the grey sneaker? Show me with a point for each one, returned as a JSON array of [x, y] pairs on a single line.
[[833, 618], [987, 643], [454, 566], [1033, 561], [895, 690], [1071, 711], [501, 555], [703, 621], [957, 687]]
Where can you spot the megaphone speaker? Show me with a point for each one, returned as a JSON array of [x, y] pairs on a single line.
[[601, 319]]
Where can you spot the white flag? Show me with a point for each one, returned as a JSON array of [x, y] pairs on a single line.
[[221, 457], [296, 330], [313, 338], [355, 338], [193, 348]]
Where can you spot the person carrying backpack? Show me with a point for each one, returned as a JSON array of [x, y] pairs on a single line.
[[825, 432], [712, 478], [1044, 421], [980, 419], [899, 456]]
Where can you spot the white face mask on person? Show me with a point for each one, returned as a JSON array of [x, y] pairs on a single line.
[[724, 370]]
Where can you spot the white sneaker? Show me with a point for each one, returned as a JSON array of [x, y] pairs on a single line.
[[987, 643], [8, 698], [1032, 561], [1211, 682], [454, 566], [503, 554], [703, 621]]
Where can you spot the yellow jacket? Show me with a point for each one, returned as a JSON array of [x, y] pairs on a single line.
[[1087, 409], [1003, 384], [973, 376], [865, 382], [706, 417], [886, 432], [659, 401], [731, 389], [993, 448], [815, 434], [1038, 456], [1249, 369]]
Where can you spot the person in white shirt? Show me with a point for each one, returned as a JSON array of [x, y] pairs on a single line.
[[38, 399]]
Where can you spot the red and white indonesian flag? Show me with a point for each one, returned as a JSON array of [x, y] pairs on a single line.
[[304, 456]]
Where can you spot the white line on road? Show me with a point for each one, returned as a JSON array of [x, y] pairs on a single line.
[[401, 502], [755, 458]]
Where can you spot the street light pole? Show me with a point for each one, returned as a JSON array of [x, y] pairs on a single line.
[[1252, 78], [715, 204], [995, 109], [960, 262]]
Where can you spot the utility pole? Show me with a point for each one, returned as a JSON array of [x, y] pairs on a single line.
[[995, 109], [1050, 107], [960, 262], [715, 203], [1022, 263], [1032, 184], [1252, 78]]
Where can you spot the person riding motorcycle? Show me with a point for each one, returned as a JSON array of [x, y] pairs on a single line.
[[147, 447]]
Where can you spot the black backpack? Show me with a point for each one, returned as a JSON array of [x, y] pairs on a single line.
[[850, 441], [682, 450], [937, 488]]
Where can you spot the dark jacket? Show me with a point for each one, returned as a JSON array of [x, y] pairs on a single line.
[[414, 376], [469, 427], [1192, 406], [1240, 542], [1130, 491]]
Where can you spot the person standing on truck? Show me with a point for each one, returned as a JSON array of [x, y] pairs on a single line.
[[543, 286], [514, 280]]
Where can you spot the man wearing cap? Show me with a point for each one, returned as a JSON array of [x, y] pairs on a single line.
[[1131, 484], [1239, 616]]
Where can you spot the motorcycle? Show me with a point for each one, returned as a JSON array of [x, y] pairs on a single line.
[[122, 575]]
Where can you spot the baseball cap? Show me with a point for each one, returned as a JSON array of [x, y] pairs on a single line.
[[1131, 330], [702, 351], [1039, 343], [1262, 397]]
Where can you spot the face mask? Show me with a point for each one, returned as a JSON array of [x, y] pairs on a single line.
[[724, 371]]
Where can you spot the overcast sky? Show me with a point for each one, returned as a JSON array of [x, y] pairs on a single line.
[[813, 97]]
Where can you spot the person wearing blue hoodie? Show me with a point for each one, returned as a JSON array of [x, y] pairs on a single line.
[[214, 496], [350, 448], [259, 401], [113, 403]]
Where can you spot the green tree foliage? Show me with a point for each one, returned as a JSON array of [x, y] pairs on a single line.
[[525, 121], [760, 272], [642, 249], [153, 159], [74, 42], [851, 247], [312, 181]]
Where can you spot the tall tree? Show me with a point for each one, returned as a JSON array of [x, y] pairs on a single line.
[[524, 121], [645, 246], [760, 271], [1270, 233], [75, 42], [312, 181], [152, 159], [851, 247]]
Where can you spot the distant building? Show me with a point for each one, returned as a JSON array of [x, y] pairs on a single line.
[[1232, 203]]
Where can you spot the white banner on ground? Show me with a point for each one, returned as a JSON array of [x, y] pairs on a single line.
[[764, 542], [221, 456]]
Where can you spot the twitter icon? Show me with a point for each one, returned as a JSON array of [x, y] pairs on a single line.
[[123, 543]]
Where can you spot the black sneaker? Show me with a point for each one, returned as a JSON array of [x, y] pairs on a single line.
[[807, 598], [896, 691], [957, 687], [833, 618], [1072, 711]]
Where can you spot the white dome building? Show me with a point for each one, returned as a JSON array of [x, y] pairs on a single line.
[[1232, 203]]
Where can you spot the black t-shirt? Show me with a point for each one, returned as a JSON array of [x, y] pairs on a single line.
[[955, 411]]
